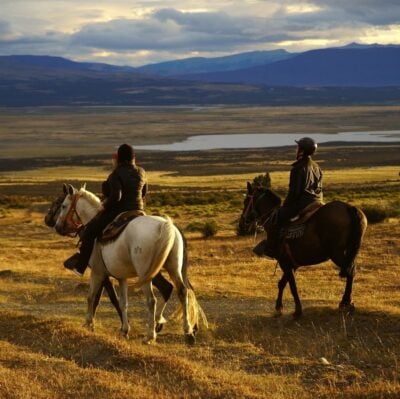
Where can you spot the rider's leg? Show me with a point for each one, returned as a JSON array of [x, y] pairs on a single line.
[[79, 262], [271, 246]]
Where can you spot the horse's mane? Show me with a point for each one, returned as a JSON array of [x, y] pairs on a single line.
[[93, 199], [274, 198]]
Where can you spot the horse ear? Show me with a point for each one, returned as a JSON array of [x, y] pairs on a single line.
[[71, 190], [249, 187], [65, 189], [83, 186]]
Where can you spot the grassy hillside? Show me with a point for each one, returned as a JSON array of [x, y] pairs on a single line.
[[246, 352]]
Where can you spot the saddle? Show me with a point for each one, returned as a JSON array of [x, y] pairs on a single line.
[[296, 226], [307, 212], [112, 231]]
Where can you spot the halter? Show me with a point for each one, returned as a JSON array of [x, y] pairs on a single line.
[[69, 217]]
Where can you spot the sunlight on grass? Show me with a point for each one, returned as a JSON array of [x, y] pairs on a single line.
[[172, 179]]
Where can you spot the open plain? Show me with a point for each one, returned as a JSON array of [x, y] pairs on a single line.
[[246, 352]]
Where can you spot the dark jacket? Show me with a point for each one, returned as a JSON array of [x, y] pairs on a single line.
[[305, 184], [125, 189]]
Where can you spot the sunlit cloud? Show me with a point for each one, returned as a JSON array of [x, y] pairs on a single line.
[[384, 35], [302, 8], [147, 31]]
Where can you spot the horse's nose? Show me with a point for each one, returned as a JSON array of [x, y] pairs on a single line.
[[60, 230], [49, 221]]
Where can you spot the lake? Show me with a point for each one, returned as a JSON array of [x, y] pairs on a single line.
[[267, 140]]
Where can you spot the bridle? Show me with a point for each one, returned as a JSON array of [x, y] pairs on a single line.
[[68, 219], [260, 219], [53, 212]]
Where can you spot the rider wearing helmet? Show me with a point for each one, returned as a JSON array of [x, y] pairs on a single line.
[[124, 190], [305, 187]]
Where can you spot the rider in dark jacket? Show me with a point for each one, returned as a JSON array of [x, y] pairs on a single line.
[[305, 187], [124, 190], [305, 184]]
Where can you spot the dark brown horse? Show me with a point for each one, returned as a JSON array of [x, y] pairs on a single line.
[[334, 231]]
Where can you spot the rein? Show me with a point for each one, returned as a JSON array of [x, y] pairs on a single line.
[[262, 219], [69, 217], [250, 204]]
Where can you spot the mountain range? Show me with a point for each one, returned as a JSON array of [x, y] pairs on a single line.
[[354, 74], [357, 67]]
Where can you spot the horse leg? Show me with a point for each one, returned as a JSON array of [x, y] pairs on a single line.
[[123, 304], [151, 305], [97, 299], [184, 299], [95, 286], [293, 289], [279, 304], [165, 288], [107, 284], [345, 303]]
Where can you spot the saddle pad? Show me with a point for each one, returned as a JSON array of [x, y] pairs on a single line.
[[296, 227], [117, 226]]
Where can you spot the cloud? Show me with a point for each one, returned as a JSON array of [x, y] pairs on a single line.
[[4, 28], [179, 31], [373, 12], [155, 30]]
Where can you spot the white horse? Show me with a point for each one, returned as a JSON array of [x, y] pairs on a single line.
[[148, 244]]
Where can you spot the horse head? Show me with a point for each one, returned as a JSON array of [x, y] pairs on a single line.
[[257, 207], [77, 209], [68, 221], [55, 207]]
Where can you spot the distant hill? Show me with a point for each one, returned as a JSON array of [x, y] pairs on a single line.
[[58, 63], [206, 65], [352, 66], [55, 81]]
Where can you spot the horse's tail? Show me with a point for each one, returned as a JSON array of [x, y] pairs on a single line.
[[357, 228], [163, 246], [196, 313]]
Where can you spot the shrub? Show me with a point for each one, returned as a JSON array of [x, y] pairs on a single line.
[[194, 226], [210, 228], [207, 229], [262, 180], [375, 214]]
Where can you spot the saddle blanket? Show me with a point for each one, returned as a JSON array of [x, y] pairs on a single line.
[[293, 232], [117, 226], [296, 227]]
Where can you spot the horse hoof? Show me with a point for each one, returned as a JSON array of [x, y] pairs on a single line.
[[159, 327], [347, 308], [278, 312], [89, 327], [297, 314], [149, 341], [124, 334], [190, 339], [195, 329]]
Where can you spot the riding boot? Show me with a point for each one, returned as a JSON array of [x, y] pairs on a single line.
[[79, 261], [271, 246]]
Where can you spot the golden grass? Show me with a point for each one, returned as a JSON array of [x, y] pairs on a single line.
[[332, 177], [246, 353]]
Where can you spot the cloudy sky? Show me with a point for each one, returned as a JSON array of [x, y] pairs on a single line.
[[137, 32]]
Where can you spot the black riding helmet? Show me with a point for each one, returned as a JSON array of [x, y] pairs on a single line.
[[307, 144]]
